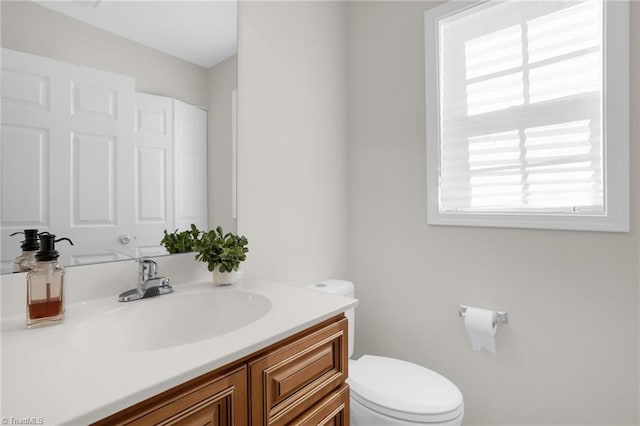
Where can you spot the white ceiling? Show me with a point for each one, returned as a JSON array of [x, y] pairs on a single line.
[[201, 32]]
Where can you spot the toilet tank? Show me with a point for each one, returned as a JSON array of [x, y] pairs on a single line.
[[341, 288]]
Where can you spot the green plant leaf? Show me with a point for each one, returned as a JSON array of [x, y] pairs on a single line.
[[217, 249], [180, 242]]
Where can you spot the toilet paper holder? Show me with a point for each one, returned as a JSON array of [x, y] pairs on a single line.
[[501, 317]]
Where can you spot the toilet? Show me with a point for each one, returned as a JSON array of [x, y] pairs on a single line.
[[388, 392]]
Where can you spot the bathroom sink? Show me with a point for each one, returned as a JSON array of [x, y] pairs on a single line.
[[169, 320]]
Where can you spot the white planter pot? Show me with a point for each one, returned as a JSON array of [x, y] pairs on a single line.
[[225, 278]]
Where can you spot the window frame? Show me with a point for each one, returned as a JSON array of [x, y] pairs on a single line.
[[615, 113]]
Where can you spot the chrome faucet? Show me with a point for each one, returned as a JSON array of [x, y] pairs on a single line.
[[149, 283]]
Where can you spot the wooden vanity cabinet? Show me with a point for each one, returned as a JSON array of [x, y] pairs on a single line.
[[298, 381]]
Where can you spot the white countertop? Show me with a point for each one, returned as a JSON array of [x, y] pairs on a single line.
[[45, 377]]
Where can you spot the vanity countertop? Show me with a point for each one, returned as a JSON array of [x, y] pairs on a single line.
[[47, 378]]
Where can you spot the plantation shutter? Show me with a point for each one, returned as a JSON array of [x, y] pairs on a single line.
[[520, 108]]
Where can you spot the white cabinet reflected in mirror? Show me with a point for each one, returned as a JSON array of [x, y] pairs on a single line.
[[108, 141]]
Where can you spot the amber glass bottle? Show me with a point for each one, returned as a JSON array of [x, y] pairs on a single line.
[[45, 286]]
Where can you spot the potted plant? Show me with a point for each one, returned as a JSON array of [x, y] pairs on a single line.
[[180, 242], [223, 254]]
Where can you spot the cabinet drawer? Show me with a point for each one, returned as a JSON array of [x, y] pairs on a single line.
[[293, 378], [333, 410]]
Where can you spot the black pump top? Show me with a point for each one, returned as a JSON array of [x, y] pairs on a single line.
[[48, 247], [30, 242]]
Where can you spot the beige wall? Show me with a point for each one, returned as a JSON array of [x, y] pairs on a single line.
[[32, 28], [292, 191], [222, 80], [569, 354]]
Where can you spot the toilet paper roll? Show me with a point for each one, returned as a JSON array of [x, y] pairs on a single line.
[[481, 326]]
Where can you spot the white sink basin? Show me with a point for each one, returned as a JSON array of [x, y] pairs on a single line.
[[169, 320]]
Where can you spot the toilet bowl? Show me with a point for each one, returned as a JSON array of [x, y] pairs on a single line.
[[388, 392]]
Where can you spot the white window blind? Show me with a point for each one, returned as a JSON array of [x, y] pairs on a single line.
[[520, 107]]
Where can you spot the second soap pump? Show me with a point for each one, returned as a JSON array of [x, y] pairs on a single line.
[[25, 261], [45, 302]]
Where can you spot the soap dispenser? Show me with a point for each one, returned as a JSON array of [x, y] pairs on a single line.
[[30, 245], [45, 303]]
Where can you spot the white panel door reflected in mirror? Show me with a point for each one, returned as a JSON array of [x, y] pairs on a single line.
[[116, 198]]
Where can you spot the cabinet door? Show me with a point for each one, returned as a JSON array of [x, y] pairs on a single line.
[[216, 401], [215, 411], [331, 411], [290, 380]]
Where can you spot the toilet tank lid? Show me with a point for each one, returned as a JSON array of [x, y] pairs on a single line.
[[333, 286]]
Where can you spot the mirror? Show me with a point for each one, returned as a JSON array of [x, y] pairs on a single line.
[[114, 193]]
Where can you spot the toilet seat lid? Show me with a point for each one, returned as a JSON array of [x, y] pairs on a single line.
[[403, 390]]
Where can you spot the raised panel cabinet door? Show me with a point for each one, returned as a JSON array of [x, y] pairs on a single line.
[[333, 410], [213, 400], [214, 413], [290, 380]]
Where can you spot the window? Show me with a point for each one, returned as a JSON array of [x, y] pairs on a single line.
[[527, 114]]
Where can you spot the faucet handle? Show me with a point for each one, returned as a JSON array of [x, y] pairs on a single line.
[[148, 269]]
